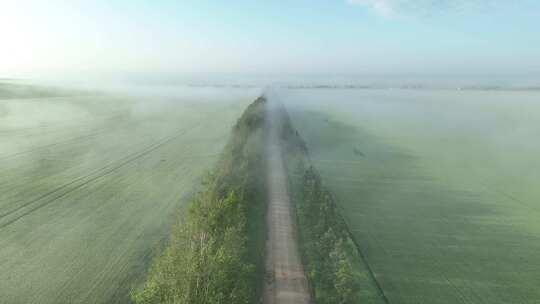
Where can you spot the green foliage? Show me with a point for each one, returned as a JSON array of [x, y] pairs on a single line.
[[204, 264], [216, 254], [327, 249], [325, 244]]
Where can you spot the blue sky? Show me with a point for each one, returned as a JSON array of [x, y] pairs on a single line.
[[278, 37]]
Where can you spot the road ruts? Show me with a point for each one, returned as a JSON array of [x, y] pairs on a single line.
[[286, 281]]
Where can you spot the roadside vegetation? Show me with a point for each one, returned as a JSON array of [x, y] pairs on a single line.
[[216, 252], [329, 254]]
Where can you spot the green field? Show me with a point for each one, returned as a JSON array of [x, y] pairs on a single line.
[[440, 188], [90, 184]]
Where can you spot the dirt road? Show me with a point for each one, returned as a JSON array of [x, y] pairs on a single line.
[[286, 281]]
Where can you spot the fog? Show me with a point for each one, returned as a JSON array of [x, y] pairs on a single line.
[[485, 136], [92, 178]]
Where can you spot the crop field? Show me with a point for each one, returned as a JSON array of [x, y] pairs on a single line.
[[90, 184], [440, 188]]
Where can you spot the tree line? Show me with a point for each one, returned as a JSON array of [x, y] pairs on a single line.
[[216, 252], [328, 252]]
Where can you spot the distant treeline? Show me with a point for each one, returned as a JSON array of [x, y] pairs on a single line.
[[216, 253], [14, 90], [328, 251]]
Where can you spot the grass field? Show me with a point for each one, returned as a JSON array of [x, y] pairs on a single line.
[[89, 186], [440, 188]]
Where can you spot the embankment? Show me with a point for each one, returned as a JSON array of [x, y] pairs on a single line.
[[216, 252]]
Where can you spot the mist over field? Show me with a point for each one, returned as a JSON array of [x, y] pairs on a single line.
[[438, 187], [276, 152], [91, 183]]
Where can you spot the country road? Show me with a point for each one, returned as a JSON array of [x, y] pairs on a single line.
[[286, 281]]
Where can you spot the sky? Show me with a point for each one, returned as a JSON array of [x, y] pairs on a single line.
[[430, 38]]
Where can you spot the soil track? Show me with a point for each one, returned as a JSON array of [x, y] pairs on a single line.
[[286, 280]]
